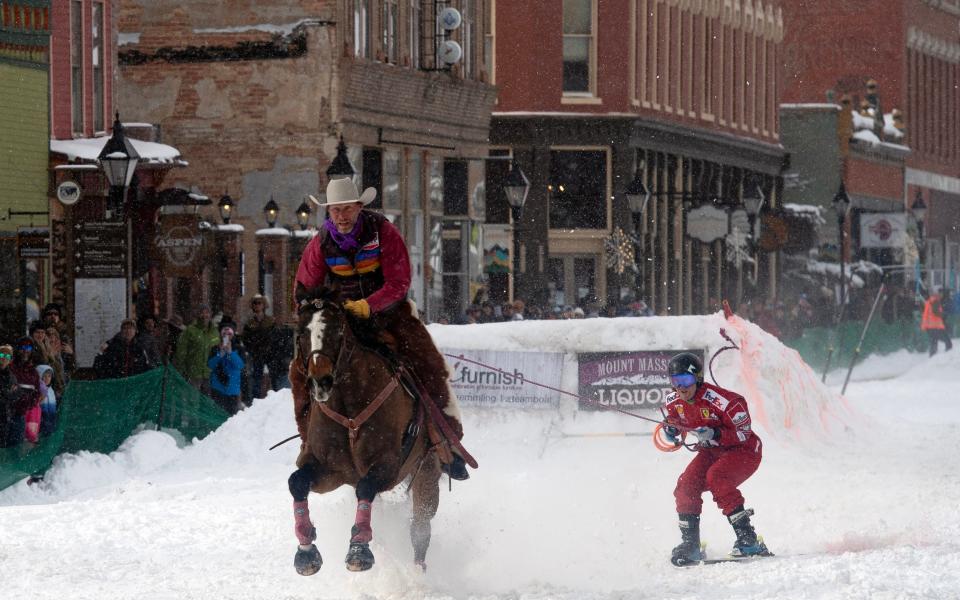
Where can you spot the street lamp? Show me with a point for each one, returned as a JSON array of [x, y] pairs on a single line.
[[225, 206], [270, 212], [637, 197], [303, 215], [753, 201], [118, 159], [841, 204], [919, 210], [516, 186], [340, 168]]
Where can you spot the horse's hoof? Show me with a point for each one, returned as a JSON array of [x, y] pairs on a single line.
[[359, 557], [309, 561]]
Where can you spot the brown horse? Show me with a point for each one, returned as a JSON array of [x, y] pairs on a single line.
[[359, 427]]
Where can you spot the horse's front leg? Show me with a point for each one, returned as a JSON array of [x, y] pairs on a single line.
[[308, 560], [359, 556]]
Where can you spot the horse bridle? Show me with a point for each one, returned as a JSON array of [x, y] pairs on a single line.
[[346, 343]]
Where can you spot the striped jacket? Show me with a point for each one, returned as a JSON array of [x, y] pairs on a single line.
[[379, 271]]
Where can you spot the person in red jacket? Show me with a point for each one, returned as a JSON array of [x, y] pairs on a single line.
[[362, 255], [728, 452]]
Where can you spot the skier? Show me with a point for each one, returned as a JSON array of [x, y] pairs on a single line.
[[728, 452]]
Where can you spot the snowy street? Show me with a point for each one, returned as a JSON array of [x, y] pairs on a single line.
[[853, 495]]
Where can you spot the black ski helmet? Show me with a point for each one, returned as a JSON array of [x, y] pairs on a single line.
[[686, 362]]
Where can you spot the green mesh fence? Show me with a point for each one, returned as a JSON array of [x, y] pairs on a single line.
[[99, 415], [881, 338]]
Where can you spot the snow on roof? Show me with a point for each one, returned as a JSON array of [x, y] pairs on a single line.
[[866, 135], [861, 121], [285, 29], [307, 233], [809, 211], [89, 148], [274, 231], [889, 128], [128, 38]]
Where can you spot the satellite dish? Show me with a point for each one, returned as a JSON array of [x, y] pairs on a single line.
[[450, 52], [450, 18]]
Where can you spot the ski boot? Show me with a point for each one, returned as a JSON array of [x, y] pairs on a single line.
[[747, 544], [688, 552]]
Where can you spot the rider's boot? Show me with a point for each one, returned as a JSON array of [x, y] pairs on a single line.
[[747, 544], [688, 552]]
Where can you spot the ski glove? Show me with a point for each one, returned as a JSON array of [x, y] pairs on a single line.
[[672, 434], [707, 437], [359, 308]]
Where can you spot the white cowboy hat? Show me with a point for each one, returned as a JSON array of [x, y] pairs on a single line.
[[343, 191]]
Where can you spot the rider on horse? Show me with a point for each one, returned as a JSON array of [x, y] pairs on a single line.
[[362, 255]]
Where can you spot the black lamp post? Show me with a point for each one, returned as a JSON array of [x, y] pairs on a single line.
[[225, 206], [516, 186], [303, 215], [118, 159], [270, 212], [637, 197], [841, 204], [753, 201], [919, 210], [340, 167]]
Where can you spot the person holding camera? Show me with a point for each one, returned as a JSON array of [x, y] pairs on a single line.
[[226, 367]]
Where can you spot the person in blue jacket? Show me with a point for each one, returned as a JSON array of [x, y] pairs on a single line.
[[226, 366]]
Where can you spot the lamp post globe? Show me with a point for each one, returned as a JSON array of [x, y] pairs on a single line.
[[303, 215], [118, 159], [516, 186], [340, 168], [226, 206], [270, 212], [841, 204]]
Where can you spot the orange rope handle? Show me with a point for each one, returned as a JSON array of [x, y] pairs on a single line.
[[660, 443]]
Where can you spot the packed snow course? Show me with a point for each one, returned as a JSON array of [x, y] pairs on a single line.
[[857, 496]]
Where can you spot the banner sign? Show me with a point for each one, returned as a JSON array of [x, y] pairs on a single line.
[[636, 379], [883, 230], [33, 242], [480, 386], [179, 244]]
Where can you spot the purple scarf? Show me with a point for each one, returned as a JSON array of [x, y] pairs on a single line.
[[345, 241]]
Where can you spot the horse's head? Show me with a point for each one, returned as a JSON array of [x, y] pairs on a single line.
[[320, 331]]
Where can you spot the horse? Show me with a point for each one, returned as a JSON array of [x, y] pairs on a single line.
[[360, 427]]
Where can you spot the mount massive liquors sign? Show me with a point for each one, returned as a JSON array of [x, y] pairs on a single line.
[[626, 379]]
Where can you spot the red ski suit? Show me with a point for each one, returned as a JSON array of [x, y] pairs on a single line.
[[722, 469]]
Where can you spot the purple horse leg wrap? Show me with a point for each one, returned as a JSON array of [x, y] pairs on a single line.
[[361, 528], [302, 525]]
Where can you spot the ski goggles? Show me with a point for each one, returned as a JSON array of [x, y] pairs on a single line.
[[683, 380], [26, 348], [6, 356]]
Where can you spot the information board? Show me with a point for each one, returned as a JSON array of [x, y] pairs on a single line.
[[100, 306]]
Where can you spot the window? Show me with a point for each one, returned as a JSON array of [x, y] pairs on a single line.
[[388, 28], [371, 174], [577, 46], [392, 200], [361, 28], [578, 189], [468, 33], [96, 51], [489, 56], [76, 64], [415, 34]]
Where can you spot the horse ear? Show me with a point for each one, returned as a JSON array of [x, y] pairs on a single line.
[[301, 294]]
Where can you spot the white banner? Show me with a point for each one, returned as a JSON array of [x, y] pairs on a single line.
[[883, 230], [480, 386]]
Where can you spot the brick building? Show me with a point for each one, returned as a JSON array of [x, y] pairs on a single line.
[[910, 48], [258, 95], [682, 94]]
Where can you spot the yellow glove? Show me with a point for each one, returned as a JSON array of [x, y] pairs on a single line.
[[359, 308]]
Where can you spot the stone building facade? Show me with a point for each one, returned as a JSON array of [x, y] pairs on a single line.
[[258, 95]]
